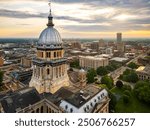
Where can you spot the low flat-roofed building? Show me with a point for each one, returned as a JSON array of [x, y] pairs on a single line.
[[88, 62], [143, 72], [119, 59]]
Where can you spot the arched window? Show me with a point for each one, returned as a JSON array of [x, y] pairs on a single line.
[[54, 54], [42, 54], [38, 110], [42, 110], [66, 107], [71, 110], [91, 104], [49, 54], [48, 72]]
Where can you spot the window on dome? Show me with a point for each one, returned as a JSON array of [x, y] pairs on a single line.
[[46, 54], [54, 54], [42, 54]]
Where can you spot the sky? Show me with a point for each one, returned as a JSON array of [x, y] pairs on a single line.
[[76, 18]]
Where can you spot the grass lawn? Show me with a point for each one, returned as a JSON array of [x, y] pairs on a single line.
[[134, 106]]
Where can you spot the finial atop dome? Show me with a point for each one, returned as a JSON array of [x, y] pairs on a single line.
[[50, 17]]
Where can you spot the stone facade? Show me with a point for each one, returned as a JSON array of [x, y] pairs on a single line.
[[26, 62], [88, 62], [143, 72], [50, 66]]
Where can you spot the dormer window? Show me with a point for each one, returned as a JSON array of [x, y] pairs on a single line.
[[71, 110], [66, 107], [91, 104]]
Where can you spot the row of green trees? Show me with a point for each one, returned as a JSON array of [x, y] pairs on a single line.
[[107, 80], [132, 65], [129, 76], [101, 71]]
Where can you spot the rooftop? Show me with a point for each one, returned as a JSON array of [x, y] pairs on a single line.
[[144, 69], [87, 93], [93, 57], [14, 101], [119, 59]]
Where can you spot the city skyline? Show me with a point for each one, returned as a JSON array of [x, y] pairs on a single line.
[[76, 18]]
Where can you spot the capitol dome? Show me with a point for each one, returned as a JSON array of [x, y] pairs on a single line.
[[50, 36]]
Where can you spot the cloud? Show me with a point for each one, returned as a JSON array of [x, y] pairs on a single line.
[[19, 14], [88, 15]]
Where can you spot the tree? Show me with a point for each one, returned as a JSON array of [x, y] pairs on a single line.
[[126, 99], [112, 102], [133, 77], [127, 87], [127, 92], [142, 91], [1, 77], [75, 64], [126, 72], [129, 76], [90, 76], [102, 71], [108, 81], [132, 65], [119, 84], [110, 68]]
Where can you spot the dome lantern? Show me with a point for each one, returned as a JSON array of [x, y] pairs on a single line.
[[50, 17], [50, 37]]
